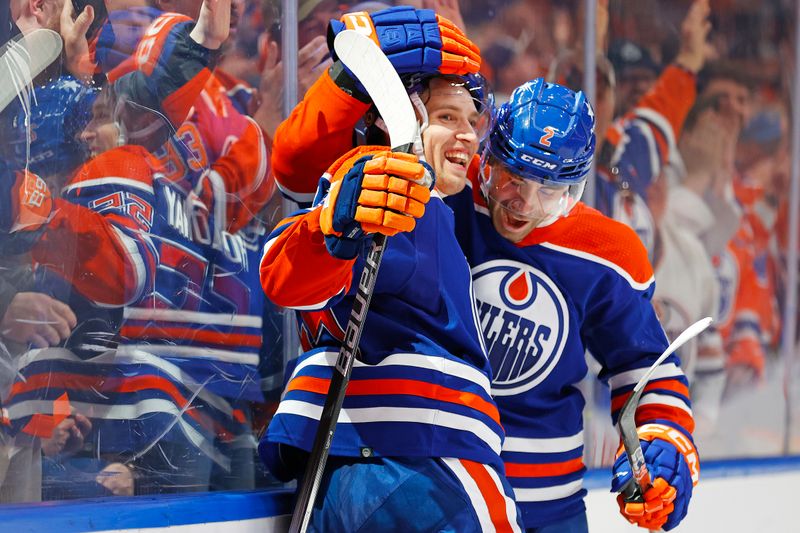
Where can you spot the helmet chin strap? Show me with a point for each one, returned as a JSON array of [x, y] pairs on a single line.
[[416, 101]]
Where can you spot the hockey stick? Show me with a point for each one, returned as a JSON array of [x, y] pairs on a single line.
[[368, 63], [640, 479], [23, 58]]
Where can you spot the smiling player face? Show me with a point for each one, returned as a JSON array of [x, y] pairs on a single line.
[[451, 138]]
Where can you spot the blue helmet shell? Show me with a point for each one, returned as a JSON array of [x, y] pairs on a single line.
[[545, 132], [59, 112]]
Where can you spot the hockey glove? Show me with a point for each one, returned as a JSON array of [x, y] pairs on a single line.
[[414, 40], [372, 190], [674, 468], [27, 201]]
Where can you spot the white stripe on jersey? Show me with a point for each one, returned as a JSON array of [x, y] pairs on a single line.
[[173, 315], [193, 352], [127, 412], [429, 362], [632, 377], [220, 205], [659, 121], [476, 497], [129, 357], [653, 398], [655, 155], [546, 494], [474, 494], [432, 417], [263, 158], [297, 197], [109, 180], [597, 259], [544, 445]]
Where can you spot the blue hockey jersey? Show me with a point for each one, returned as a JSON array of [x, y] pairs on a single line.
[[420, 386], [581, 283]]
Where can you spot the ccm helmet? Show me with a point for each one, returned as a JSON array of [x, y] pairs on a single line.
[[539, 151]]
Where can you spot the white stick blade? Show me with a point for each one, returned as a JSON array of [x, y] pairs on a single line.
[[375, 72], [24, 58], [687, 335]]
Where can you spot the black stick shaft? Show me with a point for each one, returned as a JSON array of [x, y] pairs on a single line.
[[307, 493]]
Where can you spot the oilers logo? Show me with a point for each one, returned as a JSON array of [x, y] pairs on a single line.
[[523, 318]]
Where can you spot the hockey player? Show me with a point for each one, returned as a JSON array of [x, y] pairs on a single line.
[[533, 316], [418, 426], [554, 278], [548, 464]]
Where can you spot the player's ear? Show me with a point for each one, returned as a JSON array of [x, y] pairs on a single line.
[[37, 9]]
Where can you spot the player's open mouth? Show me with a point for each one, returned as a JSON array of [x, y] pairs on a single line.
[[457, 158], [512, 222]]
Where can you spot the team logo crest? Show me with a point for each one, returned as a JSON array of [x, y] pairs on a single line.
[[524, 323]]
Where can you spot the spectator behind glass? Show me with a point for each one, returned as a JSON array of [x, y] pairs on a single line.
[[312, 56], [31, 316], [122, 179], [746, 267], [640, 145], [62, 17], [636, 73]]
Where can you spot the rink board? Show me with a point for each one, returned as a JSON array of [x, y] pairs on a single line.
[[732, 496]]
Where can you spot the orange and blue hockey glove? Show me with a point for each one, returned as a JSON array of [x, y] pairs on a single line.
[[373, 190], [414, 40], [674, 468]]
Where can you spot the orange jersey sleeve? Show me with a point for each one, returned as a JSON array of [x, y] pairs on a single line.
[[316, 133], [98, 238], [296, 269]]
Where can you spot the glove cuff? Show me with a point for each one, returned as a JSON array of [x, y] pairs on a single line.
[[678, 439], [344, 248]]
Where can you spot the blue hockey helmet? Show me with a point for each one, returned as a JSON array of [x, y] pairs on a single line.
[[45, 136], [541, 146]]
